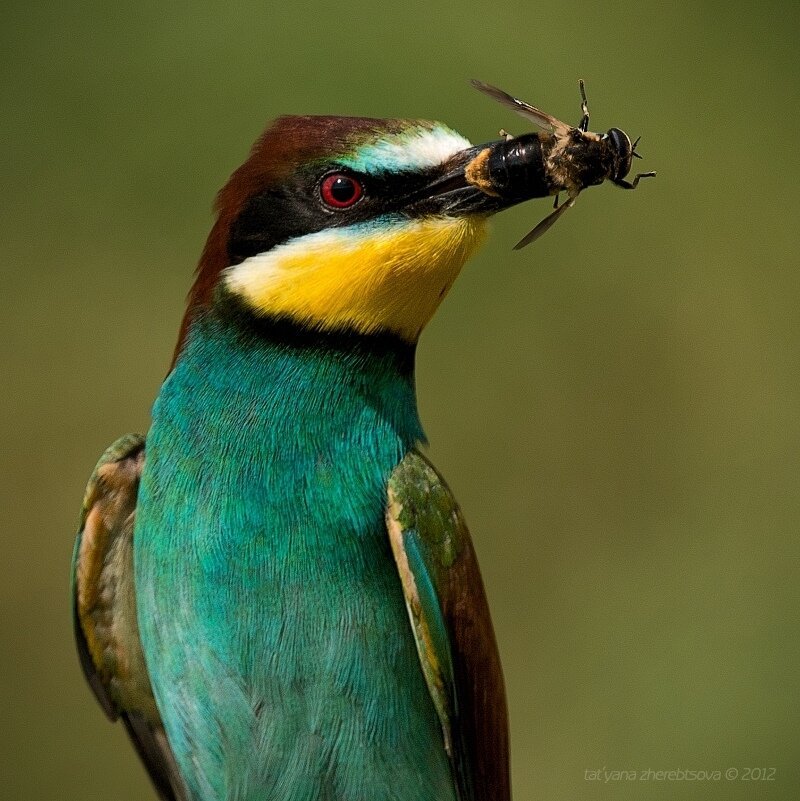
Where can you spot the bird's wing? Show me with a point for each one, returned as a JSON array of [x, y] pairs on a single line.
[[452, 628], [104, 609]]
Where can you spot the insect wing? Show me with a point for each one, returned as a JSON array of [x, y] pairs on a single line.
[[529, 112], [545, 224]]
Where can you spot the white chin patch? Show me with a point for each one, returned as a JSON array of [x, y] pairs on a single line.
[[415, 148]]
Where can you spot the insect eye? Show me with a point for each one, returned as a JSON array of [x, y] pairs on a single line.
[[620, 141], [340, 191]]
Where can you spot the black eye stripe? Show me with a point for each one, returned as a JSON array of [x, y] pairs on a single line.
[[295, 206]]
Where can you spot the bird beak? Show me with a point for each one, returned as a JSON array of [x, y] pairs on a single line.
[[464, 186]]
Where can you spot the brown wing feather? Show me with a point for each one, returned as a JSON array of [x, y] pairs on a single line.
[[483, 716], [104, 606]]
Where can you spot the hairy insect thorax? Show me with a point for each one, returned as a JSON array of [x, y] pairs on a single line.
[[575, 161]]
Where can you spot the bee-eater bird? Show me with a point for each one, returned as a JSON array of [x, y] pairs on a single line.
[[275, 591]]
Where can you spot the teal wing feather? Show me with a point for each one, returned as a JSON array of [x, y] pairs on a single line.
[[104, 609], [452, 627]]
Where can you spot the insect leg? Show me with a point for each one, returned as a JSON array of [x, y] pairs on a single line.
[[628, 185], [583, 125], [505, 134]]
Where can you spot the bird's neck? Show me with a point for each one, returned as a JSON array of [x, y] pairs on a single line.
[[267, 377]]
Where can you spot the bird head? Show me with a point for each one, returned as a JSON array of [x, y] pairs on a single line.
[[345, 224]]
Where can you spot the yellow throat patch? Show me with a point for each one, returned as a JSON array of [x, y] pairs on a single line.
[[385, 275]]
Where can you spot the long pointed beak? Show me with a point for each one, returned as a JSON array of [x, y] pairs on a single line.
[[476, 181]]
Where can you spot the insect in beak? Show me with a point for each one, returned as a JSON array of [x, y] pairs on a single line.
[[557, 158]]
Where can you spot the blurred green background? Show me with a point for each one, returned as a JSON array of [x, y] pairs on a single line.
[[616, 406]]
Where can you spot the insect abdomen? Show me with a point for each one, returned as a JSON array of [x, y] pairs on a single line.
[[516, 169]]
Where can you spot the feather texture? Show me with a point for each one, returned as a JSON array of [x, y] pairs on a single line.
[[271, 613], [104, 608], [453, 630]]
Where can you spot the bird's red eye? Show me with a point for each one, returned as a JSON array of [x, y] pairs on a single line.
[[340, 191]]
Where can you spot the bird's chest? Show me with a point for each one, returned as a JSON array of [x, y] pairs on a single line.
[[264, 521], [270, 606], [260, 541]]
